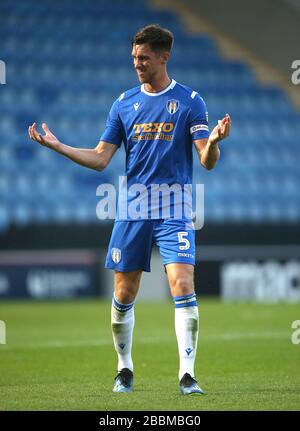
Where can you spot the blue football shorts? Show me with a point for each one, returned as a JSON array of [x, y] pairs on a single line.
[[131, 243]]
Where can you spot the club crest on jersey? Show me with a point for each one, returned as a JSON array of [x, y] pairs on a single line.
[[116, 255], [172, 106]]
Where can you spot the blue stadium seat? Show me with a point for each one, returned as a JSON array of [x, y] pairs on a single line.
[[83, 67]]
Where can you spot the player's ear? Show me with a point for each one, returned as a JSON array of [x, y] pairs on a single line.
[[164, 56]]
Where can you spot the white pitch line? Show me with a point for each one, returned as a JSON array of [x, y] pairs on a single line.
[[147, 340], [248, 335]]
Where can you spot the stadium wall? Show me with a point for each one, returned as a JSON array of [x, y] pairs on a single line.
[[236, 262], [269, 28]]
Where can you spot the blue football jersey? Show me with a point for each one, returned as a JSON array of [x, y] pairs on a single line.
[[157, 130]]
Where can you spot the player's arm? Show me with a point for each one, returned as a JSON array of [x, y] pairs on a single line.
[[96, 158], [207, 149]]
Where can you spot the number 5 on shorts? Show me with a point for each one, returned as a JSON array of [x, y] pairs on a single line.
[[185, 241]]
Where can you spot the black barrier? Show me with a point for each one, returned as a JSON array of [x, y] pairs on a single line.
[[49, 274], [244, 262], [250, 278], [98, 235]]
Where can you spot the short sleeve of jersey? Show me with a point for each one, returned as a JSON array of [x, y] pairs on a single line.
[[198, 119], [113, 133]]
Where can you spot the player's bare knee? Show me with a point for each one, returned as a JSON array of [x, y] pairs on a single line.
[[126, 287], [182, 286], [124, 294]]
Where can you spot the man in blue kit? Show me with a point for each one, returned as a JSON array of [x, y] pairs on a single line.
[[157, 122]]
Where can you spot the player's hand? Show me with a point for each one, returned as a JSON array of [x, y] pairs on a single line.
[[48, 139], [222, 130]]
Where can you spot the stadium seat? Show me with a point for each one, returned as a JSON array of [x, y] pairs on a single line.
[[81, 70]]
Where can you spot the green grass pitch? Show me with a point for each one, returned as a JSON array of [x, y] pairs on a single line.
[[59, 356]]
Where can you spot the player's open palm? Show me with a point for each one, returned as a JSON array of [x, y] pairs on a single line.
[[48, 139], [221, 130]]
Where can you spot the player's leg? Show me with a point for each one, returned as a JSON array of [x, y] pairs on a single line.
[[181, 282], [176, 240], [122, 315], [129, 254], [122, 325]]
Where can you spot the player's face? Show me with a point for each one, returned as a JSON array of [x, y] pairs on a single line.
[[146, 63]]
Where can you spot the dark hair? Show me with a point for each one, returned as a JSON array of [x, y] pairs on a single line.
[[159, 39]]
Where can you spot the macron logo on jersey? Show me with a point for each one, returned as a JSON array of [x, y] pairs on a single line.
[[136, 106]]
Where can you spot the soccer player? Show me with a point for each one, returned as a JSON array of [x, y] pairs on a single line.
[[158, 122]]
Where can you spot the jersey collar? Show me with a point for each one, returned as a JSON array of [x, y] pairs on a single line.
[[172, 85]]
